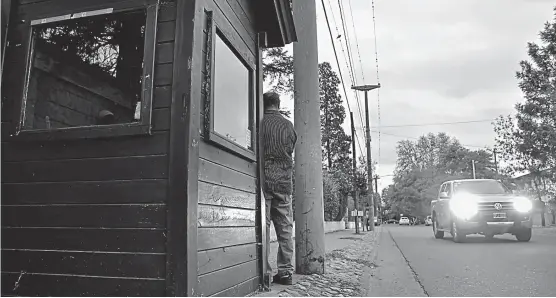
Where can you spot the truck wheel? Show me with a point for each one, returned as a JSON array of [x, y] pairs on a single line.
[[437, 234], [457, 235], [524, 235]]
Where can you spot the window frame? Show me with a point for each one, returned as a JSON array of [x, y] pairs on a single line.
[[141, 127], [210, 135], [442, 188], [449, 190]]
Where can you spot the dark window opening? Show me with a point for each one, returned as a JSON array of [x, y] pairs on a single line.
[[86, 71]]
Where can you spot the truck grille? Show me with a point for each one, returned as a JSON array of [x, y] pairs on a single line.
[[489, 206]]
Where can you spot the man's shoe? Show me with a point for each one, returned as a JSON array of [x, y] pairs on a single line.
[[283, 279]]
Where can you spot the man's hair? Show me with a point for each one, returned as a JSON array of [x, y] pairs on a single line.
[[271, 99]]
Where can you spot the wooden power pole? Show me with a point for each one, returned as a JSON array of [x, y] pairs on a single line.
[[376, 191], [309, 205], [495, 160], [367, 88], [354, 168]]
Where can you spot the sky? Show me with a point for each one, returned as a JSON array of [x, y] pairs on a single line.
[[438, 61]]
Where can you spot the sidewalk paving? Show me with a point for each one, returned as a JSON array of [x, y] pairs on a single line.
[[348, 264]]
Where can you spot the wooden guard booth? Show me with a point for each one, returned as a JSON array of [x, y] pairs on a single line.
[[130, 146]]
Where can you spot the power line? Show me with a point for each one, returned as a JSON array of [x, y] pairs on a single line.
[[359, 144], [350, 60], [356, 42], [338, 64], [335, 54], [438, 123], [377, 79], [414, 138], [346, 37], [334, 21], [376, 47], [358, 54], [434, 123]]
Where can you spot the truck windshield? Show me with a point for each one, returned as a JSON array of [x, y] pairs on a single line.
[[481, 187]]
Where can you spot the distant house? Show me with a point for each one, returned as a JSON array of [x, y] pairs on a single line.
[[527, 182]]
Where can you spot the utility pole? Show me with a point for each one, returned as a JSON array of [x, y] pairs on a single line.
[[473, 163], [354, 167], [367, 88], [309, 205], [495, 161], [378, 205]]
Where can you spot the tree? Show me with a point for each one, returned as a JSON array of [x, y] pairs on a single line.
[[528, 140], [423, 165], [278, 69], [330, 196], [336, 144], [536, 117], [112, 43]]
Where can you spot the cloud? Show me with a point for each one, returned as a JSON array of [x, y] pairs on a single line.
[[439, 61]]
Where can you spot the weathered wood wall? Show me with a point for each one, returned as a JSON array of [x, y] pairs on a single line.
[[87, 217], [228, 258]]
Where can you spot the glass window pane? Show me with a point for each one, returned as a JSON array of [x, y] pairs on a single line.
[[86, 71], [481, 187], [231, 95]]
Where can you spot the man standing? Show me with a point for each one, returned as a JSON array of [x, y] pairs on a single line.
[[279, 138]]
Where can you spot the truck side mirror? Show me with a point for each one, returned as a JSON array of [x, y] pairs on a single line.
[[444, 195]]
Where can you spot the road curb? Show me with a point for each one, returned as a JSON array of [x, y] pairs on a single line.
[[365, 280]]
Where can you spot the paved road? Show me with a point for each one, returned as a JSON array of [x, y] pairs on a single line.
[[412, 263]]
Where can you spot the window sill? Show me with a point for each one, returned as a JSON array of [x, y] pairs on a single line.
[[84, 132], [232, 147]]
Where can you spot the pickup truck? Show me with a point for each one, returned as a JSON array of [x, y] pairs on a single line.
[[480, 206]]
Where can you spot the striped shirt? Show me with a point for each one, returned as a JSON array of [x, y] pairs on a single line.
[[279, 140]]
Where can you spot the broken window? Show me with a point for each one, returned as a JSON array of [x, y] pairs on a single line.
[[86, 70]]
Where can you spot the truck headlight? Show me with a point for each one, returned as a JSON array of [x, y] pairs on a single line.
[[522, 204], [464, 206]]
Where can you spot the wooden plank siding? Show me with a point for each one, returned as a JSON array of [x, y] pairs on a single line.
[[87, 217], [228, 257]]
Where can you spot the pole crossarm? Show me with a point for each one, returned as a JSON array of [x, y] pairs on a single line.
[[365, 87]]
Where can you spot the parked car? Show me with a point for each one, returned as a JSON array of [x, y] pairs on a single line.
[[480, 206], [391, 221], [377, 222], [404, 221], [428, 221]]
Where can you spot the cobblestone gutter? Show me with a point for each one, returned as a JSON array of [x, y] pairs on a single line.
[[344, 272]]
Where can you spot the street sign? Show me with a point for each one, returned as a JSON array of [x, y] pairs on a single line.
[[357, 213]]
